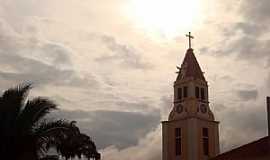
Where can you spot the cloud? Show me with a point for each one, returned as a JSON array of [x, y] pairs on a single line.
[[129, 135], [244, 46], [247, 117], [246, 95], [148, 148], [128, 56], [113, 128], [257, 11], [267, 82], [250, 28], [41, 62], [246, 38], [249, 48]]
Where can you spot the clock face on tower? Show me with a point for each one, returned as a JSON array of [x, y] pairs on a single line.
[[203, 108], [179, 108]]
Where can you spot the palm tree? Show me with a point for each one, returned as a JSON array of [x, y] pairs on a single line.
[[24, 134]]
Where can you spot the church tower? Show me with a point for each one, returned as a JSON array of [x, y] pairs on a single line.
[[191, 132]]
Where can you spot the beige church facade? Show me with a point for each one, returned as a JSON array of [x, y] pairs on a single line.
[[191, 131]]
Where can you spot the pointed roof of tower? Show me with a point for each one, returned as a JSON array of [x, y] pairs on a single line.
[[190, 67]]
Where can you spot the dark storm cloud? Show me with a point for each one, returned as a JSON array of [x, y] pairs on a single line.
[[246, 95], [127, 55], [122, 129]]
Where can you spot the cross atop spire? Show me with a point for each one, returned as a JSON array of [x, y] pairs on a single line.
[[189, 38]]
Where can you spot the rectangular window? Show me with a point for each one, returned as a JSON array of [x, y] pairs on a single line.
[[206, 146], [179, 93], [205, 132], [177, 132], [205, 141], [178, 145], [202, 94], [197, 92], [185, 91]]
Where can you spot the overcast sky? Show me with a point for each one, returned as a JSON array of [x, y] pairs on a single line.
[[111, 68]]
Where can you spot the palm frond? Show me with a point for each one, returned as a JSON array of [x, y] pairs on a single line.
[[34, 111], [55, 126], [13, 99], [11, 104], [51, 133]]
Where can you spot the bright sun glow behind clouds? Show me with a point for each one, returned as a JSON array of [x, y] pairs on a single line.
[[166, 17]]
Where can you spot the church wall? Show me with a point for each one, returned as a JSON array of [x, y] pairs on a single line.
[[213, 138], [192, 148], [168, 140], [165, 143]]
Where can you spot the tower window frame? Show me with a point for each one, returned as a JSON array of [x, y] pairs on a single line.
[[178, 141], [197, 92], [179, 93], [202, 93], [205, 141], [185, 91]]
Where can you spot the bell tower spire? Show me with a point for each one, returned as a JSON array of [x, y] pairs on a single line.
[[190, 68], [191, 132]]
